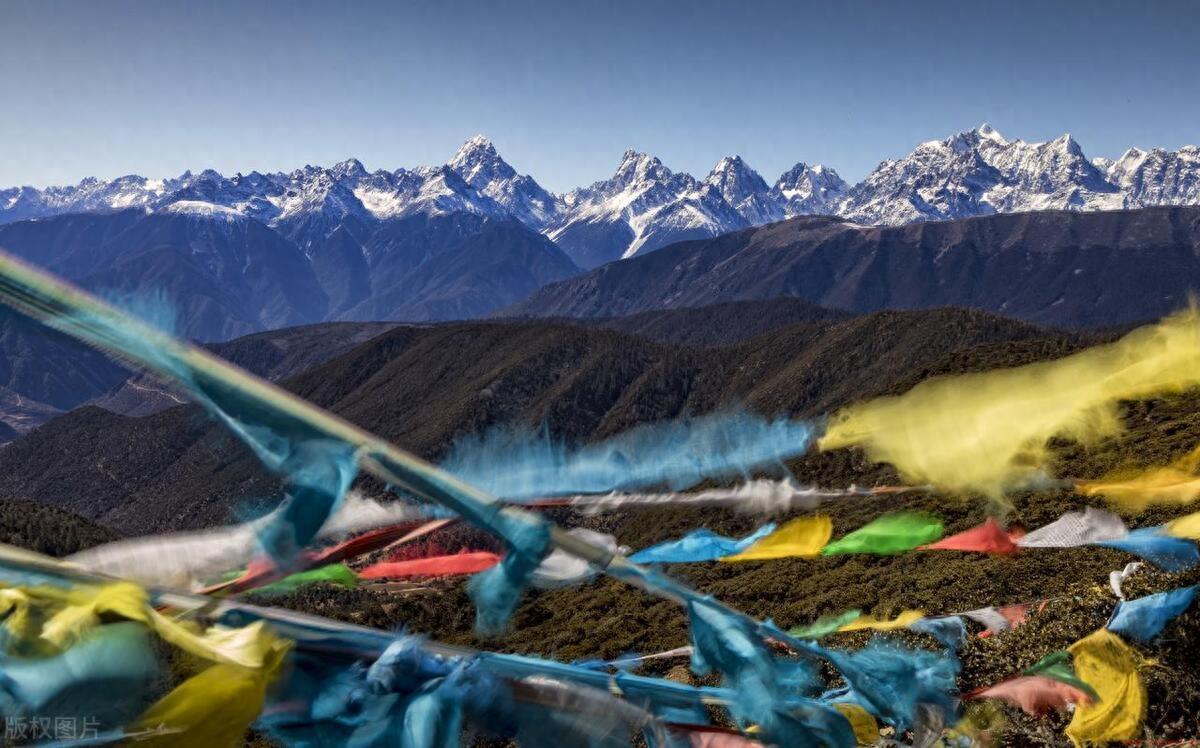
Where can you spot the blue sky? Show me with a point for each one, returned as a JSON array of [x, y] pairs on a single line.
[[562, 88]]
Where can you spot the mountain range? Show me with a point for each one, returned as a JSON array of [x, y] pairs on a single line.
[[328, 212], [233, 256]]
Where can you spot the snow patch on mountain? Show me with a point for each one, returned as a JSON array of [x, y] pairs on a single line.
[[202, 209]]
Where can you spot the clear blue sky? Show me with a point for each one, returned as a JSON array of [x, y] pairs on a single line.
[[562, 88]]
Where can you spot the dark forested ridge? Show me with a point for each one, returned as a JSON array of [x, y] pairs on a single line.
[[1058, 268], [47, 529], [425, 386]]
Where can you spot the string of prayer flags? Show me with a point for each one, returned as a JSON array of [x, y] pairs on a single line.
[[262, 571], [897, 532]]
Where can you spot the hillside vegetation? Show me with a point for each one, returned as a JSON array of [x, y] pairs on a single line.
[[425, 386]]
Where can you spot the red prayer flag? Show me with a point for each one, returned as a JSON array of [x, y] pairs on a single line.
[[720, 739], [1035, 694], [435, 566], [262, 571], [1014, 614], [989, 537]]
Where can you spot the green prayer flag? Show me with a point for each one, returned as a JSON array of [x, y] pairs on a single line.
[[338, 574], [825, 625], [1057, 666], [891, 533]]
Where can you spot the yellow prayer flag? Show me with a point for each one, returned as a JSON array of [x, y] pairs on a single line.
[[990, 432], [804, 536], [866, 729], [82, 613], [1187, 526], [902, 621], [215, 707], [1107, 664], [245, 646]]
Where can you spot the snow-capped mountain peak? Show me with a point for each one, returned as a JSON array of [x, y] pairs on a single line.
[[640, 169], [1157, 176], [643, 206], [745, 191], [479, 164], [735, 180], [978, 172], [350, 169], [987, 131], [477, 160], [810, 190]]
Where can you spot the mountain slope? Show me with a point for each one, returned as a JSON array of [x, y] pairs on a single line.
[[1058, 268], [497, 265], [717, 325], [425, 386], [273, 355], [45, 366], [223, 274]]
